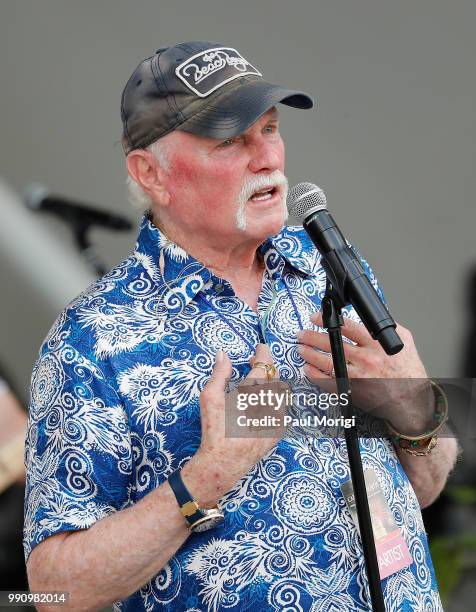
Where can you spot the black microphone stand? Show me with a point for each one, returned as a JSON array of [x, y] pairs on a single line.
[[332, 319], [86, 248]]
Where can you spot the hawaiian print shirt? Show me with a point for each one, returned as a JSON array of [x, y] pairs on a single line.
[[114, 410]]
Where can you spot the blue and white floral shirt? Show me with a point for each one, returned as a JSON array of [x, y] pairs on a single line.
[[114, 410]]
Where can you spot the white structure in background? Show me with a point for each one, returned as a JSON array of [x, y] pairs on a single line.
[[39, 275]]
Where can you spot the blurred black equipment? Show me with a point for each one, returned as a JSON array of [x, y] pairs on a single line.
[[80, 217]]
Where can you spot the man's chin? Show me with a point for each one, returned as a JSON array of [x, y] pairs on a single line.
[[263, 230]]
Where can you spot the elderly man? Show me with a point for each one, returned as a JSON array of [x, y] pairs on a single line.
[[134, 492]]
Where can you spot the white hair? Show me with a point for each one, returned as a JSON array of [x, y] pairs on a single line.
[[136, 195]]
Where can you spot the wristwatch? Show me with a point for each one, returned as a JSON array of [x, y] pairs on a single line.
[[198, 519]]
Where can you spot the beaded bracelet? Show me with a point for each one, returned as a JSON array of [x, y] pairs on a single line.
[[422, 450], [427, 441]]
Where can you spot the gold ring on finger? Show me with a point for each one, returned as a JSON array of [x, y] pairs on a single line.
[[268, 368]]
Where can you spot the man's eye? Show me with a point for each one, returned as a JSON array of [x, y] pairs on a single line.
[[227, 142], [271, 128]]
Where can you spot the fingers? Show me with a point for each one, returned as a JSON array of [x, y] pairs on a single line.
[[316, 339], [315, 376], [221, 372], [320, 340], [320, 361], [351, 329], [223, 367], [263, 356]]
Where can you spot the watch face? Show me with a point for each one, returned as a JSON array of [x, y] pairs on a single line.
[[212, 519]]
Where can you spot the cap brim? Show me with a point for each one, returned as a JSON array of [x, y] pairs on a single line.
[[235, 111]]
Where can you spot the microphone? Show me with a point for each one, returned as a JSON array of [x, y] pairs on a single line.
[[38, 198], [307, 202], [80, 217]]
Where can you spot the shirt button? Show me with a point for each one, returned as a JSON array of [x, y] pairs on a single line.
[[219, 287]]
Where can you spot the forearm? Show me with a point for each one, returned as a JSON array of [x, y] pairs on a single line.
[[428, 474], [113, 558], [117, 555]]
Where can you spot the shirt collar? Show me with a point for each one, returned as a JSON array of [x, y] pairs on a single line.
[[182, 276], [292, 246]]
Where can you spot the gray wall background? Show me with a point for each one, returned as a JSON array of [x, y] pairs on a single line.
[[392, 141]]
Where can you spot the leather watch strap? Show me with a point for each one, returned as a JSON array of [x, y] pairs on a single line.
[[188, 506]]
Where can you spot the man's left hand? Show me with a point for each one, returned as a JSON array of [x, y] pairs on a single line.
[[386, 398]]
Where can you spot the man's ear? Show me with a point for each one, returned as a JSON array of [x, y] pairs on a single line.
[[145, 170]]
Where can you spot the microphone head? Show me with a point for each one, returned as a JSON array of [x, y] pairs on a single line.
[[304, 199]]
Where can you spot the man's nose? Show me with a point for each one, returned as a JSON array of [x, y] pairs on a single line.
[[266, 157]]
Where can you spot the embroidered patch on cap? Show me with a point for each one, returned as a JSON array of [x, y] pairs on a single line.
[[209, 70]]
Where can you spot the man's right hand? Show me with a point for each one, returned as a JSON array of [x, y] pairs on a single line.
[[221, 461]]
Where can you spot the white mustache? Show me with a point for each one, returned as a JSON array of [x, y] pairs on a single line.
[[257, 183]]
